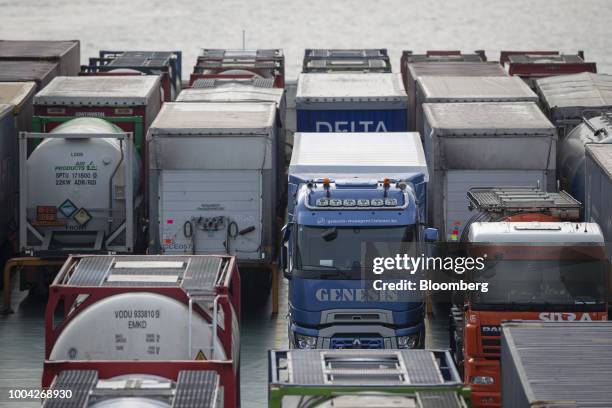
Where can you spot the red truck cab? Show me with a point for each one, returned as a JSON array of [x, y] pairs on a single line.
[[538, 265]]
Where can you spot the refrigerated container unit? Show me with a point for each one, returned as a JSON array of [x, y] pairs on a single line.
[[79, 190], [167, 64], [450, 89], [346, 60], [598, 188], [351, 102], [145, 314], [182, 385], [240, 64], [571, 156], [212, 180], [67, 54], [40, 72], [566, 99], [8, 182], [412, 71], [556, 364], [479, 145], [130, 102], [531, 66], [364, 378]]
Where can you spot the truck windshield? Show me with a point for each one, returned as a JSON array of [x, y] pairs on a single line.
[[345, 252], [548, 283]]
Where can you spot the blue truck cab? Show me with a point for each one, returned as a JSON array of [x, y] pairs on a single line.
[[365, 200]]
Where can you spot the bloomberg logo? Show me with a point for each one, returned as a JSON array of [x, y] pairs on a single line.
[[351, 126]]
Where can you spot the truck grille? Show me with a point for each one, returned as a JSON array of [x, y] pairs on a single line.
[[491, 347], [357, 343]]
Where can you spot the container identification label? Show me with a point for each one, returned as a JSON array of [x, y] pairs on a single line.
[[79, 174]]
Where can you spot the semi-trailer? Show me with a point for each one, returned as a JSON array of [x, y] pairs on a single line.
[[240, 64], [244, 90], [364, 378], [556, 364], [532, 65], [40, 72], [413, 70], [539, 263], [346, 191], [598, 191], [213, 181], [166, 64], [16, 103], [181, 385], [566, 99], [571, 157], [145, 315], [67, 54], [346, 60], [457, 89], [130, 102], [483, 144], [351, 102], [8, 184]]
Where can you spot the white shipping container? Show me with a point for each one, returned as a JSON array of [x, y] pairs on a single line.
[[212, 180], [483, 145], [448, 89]]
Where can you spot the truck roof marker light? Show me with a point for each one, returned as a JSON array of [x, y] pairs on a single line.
[[386, 185], [326, 183]]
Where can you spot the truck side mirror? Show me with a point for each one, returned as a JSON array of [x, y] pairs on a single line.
[[431, 234], [283, 261], [284, 255]]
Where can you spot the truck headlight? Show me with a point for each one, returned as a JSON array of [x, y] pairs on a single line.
[[303, 341], [408, 342], [482, 380]]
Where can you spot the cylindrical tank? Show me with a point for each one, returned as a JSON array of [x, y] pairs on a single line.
[[138, 326], [83, 178], [572, 153]]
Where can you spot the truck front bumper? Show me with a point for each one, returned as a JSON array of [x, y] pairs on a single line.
[[357, 337]]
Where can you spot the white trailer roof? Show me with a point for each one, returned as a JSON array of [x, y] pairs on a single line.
[[480, 88], [200, 118], [16, 93], [487, 118], [133, 90], [577, 90], [350, 87], [535, 232], [602, 155], [397, 155], [231, 92]]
